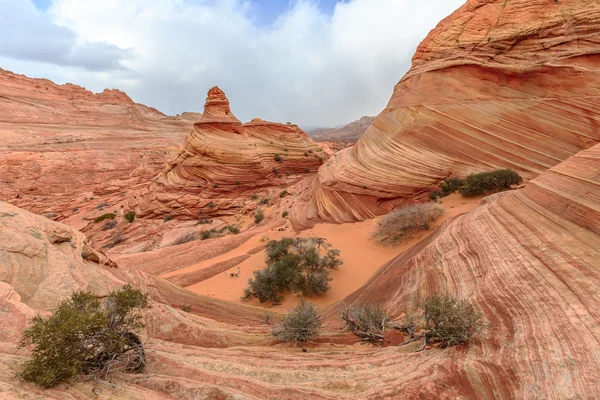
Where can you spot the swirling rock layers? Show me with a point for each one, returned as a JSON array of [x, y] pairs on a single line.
[[496, 84], [223, 162]]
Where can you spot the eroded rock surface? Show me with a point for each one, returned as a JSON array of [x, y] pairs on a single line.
[[496, 84]]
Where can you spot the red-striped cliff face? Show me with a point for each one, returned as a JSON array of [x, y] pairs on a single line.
[[496, 84], [223, 163], [530, 261]]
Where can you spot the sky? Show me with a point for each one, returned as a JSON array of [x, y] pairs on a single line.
[[317, 63]]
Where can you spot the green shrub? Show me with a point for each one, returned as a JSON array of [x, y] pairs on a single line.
[[86, 336], [168, 218], [265, 201], [300, 324], [283, 193], [259, 216], [186, 307], [254, 197], [212, 233], [301, 265], [436, 195], [104, 217], [449, 321], [488, 182], [401, 224], [368, 322], [278, 158], [451, 185], [129, 216], [285, 214]]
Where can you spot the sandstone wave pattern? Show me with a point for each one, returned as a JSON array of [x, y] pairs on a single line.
[[223, 163], [497, 84]]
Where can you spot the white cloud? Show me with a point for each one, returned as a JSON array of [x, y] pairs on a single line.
[[306, 67]]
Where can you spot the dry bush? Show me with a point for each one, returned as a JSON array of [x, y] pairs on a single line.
[[449, 321], [86, 336], [300, 324], [109, 225], [186, 238], [368, 322], [401, 224]]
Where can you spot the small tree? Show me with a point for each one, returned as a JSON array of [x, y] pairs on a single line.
[[86, 336], [368, 322], [301, 265], [300, 324], [449, 321]]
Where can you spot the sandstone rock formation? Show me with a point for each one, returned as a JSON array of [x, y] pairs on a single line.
[[496, 84], [62, 144], [529, 259], [223, 163], [348, 133]]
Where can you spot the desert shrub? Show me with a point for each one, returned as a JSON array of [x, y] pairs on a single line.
[[101, 205], [436, 195], [401, 224], [254, 197], [265, 201], [283, 193], [114, 240], [210, 205], [368, 322], [301, 265], [488, 182], [86, 336], [233, 229], [212, 233], [168, 218], [104, 217], [129, 216], [238, 182], [278, 158], [300, 324], [109, 225], [259, 216], [451, 185], [285, 214], [449, 321], [186, 238], [187, 308]]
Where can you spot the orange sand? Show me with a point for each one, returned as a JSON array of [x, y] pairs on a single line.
[[361, 255]]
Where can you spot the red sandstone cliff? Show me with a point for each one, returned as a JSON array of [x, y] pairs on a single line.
[[496, 84]]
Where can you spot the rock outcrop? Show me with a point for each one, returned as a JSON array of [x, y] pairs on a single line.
[[223, 163], [529, 260], [63, 145], [496, 84]]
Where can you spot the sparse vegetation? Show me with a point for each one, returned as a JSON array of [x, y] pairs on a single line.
[[233, 229], [254, 197], [277, 157], [86, 336], [259, 216], [285, 214], [168, 218], [114, 240], [186, 238], [104, 217], [300, 324], [109, 225], [238, 183], [401, 224], [283, 193], [368, 322], [265, 201], [212, 233], [101, 205], [129, 216], [436, 195], [488, 182], [449, 321], [187, 308], [301, 265], [451, 185]]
